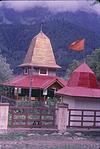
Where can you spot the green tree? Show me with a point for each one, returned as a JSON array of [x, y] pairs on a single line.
[[71, 68], [5, 71], [92, 60]]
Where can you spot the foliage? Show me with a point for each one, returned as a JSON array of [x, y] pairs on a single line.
[[62, 28], [51, 102], [15, 40], [71, 68], [92, 60], [22, 103], [5, 71]]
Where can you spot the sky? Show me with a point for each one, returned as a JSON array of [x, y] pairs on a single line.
[[68, 5]]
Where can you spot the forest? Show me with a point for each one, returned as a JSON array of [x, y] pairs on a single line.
[[62, 28]]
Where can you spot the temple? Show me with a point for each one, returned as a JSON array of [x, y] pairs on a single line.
[[82, 90], [38, 79]]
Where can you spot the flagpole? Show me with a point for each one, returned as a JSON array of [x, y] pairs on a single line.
[[30, 83], [84, 54]]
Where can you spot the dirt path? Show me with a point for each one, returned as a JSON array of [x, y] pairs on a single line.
[[48, 142]]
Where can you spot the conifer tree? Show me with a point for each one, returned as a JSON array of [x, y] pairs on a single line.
[[5, 71]]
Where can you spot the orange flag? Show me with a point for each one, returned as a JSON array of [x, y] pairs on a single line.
[[77, 45]]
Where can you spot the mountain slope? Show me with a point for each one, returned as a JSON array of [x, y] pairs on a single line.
[[17, 30]]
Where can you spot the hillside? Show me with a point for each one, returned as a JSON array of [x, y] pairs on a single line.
[[17, 31]]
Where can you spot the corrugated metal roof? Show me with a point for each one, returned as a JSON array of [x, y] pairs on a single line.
[[83, 68], [83, 76], [82, 83], [38, 81], [79, 92]]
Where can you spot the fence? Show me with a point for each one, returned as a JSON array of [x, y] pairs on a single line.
[[4, 99], [31, 117], [84, 118]]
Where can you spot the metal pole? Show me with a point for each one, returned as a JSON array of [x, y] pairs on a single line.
[[30, 83]]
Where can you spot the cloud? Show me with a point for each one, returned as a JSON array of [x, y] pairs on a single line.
[[69, 5], [20, 5]]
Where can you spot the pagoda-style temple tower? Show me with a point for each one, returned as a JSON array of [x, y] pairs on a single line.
[[39, 78], [40, 56]]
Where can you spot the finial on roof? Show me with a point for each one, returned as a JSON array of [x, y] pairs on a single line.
[[41, 27]]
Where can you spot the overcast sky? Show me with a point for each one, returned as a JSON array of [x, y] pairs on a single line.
[[68, 5]]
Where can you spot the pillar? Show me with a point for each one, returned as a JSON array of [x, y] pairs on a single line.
[[4, 109], [62, 117]]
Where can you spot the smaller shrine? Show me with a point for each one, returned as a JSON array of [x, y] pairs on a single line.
[[82, 90]]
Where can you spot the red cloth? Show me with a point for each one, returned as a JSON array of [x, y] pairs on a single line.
[[77, 45]]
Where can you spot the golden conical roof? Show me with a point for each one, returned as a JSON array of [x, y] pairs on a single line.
[[40, 53]]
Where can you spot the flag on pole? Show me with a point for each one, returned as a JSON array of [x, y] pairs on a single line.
[[77, 45]]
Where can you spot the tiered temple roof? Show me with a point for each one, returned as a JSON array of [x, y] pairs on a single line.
[[40, 53]]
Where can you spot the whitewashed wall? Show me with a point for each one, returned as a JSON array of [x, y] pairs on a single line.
[[51, 72], [83, 103]]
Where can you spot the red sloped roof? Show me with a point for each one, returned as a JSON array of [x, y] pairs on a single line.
[[79, 92], [83, 76], [38, 81], [83, 79], [82, 83], [84, 68]]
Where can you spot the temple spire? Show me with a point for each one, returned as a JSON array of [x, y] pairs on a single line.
[[40, 53]]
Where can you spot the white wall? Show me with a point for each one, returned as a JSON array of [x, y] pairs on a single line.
[[83, 103], [51, 72], [70, 101], [87, 103]]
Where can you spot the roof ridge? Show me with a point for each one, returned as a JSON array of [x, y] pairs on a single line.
[[83, 68]]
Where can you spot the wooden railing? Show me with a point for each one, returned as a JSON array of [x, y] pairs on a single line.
[[84, 118], [4, 99]]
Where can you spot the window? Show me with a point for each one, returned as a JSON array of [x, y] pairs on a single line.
[[36, 70], [26, 71], [43, 71]]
